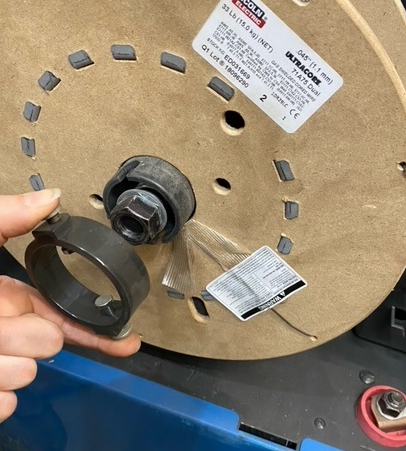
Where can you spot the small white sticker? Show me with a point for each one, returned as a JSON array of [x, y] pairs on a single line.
[[260, 55], [260, 282]]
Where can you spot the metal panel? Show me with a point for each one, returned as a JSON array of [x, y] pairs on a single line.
[[77, 404]]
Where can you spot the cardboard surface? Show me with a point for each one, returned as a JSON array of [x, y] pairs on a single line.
[[387, 19], [350, 236]]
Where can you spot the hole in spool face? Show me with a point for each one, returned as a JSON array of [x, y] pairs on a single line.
[[302, 2], [232, 122], [222, 186], [198, 309], [402, 166], [96, 201]]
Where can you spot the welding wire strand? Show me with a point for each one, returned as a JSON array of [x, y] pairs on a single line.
[[288, 323], [226, 253], [179, 275]]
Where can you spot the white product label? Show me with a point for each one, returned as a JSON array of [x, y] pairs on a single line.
[[260, 282], [259, 54]]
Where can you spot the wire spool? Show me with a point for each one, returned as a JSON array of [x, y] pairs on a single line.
[[348, 238]]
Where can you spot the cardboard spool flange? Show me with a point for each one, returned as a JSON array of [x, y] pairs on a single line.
[[387, 20], [350, 236]]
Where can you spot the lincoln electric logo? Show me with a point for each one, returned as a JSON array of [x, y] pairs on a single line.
[[251, 10]]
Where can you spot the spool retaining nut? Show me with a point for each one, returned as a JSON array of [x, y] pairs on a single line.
[[139, 216]]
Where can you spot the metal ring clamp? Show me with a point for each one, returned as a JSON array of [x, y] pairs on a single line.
[[105, 249]]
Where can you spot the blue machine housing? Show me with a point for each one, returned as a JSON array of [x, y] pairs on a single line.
[[76, 404]]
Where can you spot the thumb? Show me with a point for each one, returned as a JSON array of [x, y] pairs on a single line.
[[20, 214]]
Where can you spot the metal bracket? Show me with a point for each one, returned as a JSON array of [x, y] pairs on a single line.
[[396, 323], [387, 324]]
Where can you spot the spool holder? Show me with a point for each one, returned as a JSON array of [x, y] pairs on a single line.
[[148, 200]]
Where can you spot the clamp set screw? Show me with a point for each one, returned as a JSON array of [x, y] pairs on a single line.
[[105, 305]]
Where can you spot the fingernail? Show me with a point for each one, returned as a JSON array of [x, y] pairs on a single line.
[[41, 198]]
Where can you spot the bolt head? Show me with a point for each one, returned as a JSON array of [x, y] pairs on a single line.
[[320, 423], [392, 403], [139, 217], [367, 377]]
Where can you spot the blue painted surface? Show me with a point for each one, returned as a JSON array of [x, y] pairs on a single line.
[[76, 404], [311, 445]]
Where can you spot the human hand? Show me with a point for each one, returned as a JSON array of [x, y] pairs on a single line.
[[29, 327]]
